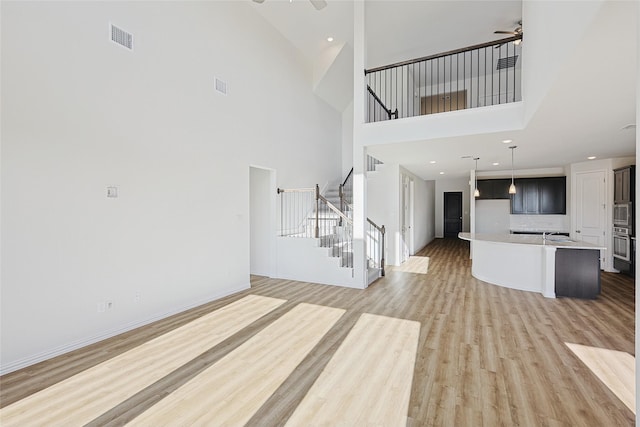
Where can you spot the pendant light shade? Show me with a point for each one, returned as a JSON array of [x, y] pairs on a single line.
[[512, 187], [477, 192]]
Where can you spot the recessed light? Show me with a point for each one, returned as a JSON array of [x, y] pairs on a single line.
[[441, 173], [495, 163], [506, 141], [329, 39], [591, 157], [432, 162]]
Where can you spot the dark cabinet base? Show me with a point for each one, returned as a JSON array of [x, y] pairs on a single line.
[[577, 273], [624, 267]]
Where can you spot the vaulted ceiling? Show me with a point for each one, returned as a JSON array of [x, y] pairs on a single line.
[[589, 98]]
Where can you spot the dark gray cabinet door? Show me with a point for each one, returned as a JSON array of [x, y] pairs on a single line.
[[624, 185], [491, 189], [547, 196], [552, 193]]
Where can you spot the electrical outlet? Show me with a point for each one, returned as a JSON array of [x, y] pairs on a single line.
[[137, 298]]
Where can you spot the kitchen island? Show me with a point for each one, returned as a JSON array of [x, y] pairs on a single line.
[[552, 265]]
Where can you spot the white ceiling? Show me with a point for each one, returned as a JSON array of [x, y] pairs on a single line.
[[591, 99]]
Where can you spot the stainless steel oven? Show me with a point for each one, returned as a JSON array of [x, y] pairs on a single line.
[[622, 215], [622, 244]]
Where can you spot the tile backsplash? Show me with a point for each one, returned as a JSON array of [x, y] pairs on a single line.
[[558, 223]]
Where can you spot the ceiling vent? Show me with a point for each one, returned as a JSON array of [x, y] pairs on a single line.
[[221, 86], [508, 62], [121, 37]]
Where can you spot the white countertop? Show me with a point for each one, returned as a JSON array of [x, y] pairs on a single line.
[[528, 239]]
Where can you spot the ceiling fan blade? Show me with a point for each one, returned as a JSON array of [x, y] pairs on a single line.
[[259, 1], [318, 4], [513, 33]]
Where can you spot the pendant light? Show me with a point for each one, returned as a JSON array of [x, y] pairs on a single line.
[[477, 192], [512, 187]]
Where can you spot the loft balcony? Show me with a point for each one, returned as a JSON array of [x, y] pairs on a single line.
[[483, 75]]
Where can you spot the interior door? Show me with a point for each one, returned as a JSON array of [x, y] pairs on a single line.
[[452, 213], [591, 208]]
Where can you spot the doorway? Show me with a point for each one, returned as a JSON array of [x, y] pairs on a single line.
[[262, 205], [406, 217], [591, 213], [452, 213]]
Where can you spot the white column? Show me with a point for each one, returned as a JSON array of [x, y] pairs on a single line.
[[359, 163]]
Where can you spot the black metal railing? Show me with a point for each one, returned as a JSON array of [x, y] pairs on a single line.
[[475, 76], [376, 110], [346, 191]]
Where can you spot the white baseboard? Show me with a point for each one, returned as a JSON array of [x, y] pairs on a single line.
[[57, 351]]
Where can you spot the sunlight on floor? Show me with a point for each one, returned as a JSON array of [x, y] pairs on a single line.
[[415, 264], [367, 382], [616, 369]]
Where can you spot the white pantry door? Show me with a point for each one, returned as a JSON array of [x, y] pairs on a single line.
[[591, 208]]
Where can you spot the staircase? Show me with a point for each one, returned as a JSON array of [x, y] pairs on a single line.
[[327, 221]]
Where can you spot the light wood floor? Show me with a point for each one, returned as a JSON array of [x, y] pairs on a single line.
[[485, 355]]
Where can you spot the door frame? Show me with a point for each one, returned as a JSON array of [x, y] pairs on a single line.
[[268, 190], [406, 249], [444, 210], [607, 238]]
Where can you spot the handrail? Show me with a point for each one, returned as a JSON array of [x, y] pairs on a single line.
[[379, 101], [335, 209], [348, 176], [295, 190], [441, 55], [375, 225]]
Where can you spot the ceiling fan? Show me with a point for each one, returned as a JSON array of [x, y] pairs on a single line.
[[318, 4], [516, 32]]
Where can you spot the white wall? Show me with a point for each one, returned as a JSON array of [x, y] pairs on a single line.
[[447, 185], [80, 113], [383, 205], [347, 140], [544, 24]]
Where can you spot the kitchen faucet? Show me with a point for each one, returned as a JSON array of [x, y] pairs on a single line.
[[545, 234]]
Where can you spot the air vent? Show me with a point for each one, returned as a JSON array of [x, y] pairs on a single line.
[[508, 62], [221, 86], [121, 37]]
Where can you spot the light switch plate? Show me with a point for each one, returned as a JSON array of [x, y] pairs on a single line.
[[112, 191]]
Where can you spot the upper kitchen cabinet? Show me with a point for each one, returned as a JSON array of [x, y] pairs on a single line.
[[540, 196], [492, 189], [624, 184]]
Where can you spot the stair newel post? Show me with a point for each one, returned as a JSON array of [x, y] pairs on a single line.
[[281, 211], [382, 233], [317, 210]]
